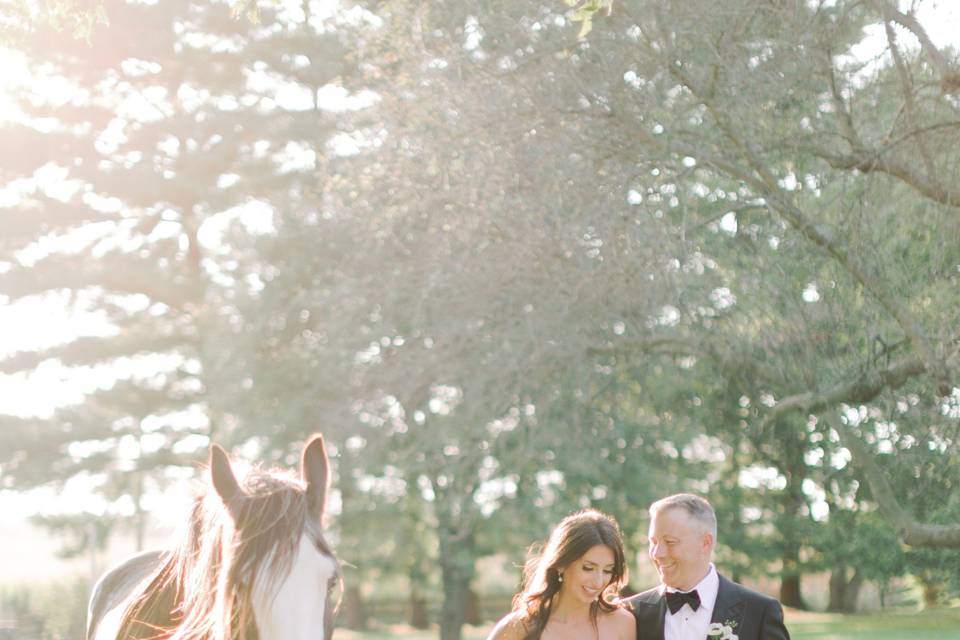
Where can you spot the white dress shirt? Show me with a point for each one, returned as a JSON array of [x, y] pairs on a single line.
[[687, 624]]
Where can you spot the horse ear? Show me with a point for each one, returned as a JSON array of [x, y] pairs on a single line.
[[224, 482], [315, 470]]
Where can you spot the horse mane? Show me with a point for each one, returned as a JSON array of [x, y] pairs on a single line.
[[202, 589]]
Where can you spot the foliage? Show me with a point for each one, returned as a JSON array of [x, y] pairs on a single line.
[[671, 245], [81, 532], [739, 107], [583, 13], [48, 611], [698, 246], [22, 19], [128, 196]]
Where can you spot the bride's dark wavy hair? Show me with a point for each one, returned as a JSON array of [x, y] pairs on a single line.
[[569, 541]]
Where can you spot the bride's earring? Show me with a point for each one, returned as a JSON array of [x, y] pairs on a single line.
[[560, 578]]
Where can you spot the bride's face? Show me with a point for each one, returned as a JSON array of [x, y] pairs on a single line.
[[587, 576], [680, 548]]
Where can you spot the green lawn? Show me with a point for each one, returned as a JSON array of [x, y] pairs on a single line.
[[405, 633], [940, 624]]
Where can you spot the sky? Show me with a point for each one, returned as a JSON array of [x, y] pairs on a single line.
[[31, 324]]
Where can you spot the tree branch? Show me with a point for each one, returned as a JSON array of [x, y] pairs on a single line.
[[779, 202], [908, 529], [908, 101], [683, 347], [949, 77], [870, 161], [863, 389], [847, 129]]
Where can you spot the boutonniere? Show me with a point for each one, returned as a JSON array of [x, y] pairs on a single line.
[[722, 630]]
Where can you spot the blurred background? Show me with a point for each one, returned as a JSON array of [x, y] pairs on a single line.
[[513, 259]]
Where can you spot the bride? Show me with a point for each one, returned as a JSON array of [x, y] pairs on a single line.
[[570, 588]]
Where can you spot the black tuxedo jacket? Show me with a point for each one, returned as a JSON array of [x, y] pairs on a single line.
[[754, 616]]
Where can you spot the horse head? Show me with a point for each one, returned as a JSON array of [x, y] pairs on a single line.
[[252, 563], [278, 564]]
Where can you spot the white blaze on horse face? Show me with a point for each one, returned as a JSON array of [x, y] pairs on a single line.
[[295, 610]]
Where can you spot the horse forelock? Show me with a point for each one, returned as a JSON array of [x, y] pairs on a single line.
[[270, 521], [223, 554]]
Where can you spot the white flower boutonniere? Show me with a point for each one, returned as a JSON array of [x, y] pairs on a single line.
[[722, 631]]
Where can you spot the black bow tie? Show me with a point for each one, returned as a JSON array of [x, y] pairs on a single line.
[[676, 600]]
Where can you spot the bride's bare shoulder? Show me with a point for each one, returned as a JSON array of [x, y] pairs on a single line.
[[511, 627], [622, 623]]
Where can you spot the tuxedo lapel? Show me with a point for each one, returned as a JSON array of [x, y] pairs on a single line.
[[729, 604], [661, 615], [650, 609]]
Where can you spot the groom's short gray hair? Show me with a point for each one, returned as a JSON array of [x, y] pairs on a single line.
[[696, 507]]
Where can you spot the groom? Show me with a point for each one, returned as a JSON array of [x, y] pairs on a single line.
[[695, 602]]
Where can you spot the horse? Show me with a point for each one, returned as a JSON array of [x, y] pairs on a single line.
[[251, 564]]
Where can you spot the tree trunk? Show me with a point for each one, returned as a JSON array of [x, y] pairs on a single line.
[[354, 610], [838, 587], [794, 469], [473, 615], [92, 546], [931, 589], [456, 589], [844, 593], [790, 595], [852, 593], [141, 516], [419, 618], [457, 556], [417, 576], [790, 592]]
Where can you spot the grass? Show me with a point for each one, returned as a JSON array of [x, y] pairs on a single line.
[[937, 624], [402, 632]]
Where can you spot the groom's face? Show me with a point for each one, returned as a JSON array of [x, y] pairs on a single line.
[[680, 548]]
